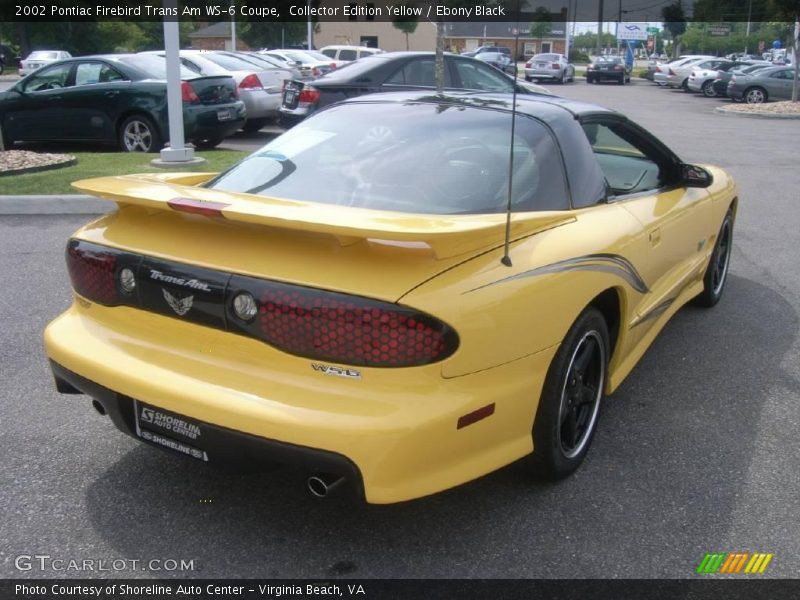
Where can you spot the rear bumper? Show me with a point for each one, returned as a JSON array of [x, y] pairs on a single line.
[[222, 445], [261, 104], [202, 122], [543, 74], [397, 427]]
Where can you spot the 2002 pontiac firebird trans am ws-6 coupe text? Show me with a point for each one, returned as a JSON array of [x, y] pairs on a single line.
[[342, 298]]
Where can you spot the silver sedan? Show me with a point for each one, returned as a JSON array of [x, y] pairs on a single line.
[[549, 66]]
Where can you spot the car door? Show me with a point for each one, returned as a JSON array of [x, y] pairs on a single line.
[[92, 104], [780, 83], [38, 114], [644, 177]]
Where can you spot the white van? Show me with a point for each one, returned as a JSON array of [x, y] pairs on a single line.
[[348, 53]]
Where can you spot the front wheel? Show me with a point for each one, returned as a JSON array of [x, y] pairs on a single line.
[[570, 402], [717, 270]]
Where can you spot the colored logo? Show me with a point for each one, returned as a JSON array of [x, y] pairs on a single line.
[[734, 562]]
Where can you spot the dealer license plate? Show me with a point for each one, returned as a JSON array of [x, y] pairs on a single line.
[[169, 430], [288, 97], [224, 114]]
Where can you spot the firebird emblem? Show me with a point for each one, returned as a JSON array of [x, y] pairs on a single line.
[[180, 305]]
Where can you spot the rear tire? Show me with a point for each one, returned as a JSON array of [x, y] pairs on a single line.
[[755, 95], [138, 133], [708, 89], [253, 125], [207, 143], [717, 270], [621, 80], [569, 406]]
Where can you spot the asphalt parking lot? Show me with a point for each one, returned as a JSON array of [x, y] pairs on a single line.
[[697, 452]]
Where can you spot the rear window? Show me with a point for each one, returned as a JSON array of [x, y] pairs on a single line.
[[154, 66], [547, 57], [231, 63], [409, 158]]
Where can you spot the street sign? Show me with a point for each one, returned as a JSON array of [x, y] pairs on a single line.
[[719, 29], [653, 30], [632, 31]]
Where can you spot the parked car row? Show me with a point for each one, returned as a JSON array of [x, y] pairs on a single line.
[[122, 99], [394, 71], [750, 80]]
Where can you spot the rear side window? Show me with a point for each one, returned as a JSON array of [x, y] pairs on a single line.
[[418, 72], [90, 73], [347, 55], [329, 52], [423, 158]]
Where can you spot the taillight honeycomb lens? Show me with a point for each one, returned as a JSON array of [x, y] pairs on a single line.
[[92, 273], [344, 329]]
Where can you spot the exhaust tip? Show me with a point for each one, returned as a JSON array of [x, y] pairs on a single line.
[[322, 485], [99, 407]]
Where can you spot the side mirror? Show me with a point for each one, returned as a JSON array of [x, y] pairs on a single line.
[[694, 176]]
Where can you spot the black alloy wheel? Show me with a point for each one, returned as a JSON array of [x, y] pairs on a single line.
[[569, 406], [717, 271]]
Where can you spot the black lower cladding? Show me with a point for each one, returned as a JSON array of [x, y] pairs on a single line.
[[220, 444]]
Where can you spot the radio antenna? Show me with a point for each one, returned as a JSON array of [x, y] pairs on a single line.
[[506, 260]]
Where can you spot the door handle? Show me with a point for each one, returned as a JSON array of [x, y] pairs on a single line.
[[111, 94], [655, 236]]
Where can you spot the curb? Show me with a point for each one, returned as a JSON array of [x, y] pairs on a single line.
[[39, 168], [54, 205], [733, 113]]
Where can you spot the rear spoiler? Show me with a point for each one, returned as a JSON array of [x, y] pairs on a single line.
[[445, 235]]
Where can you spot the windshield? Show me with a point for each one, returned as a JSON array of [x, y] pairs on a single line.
[[410, 158], [42, 55]]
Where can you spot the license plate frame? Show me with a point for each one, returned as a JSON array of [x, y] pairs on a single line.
[[224, 114], [169, 430]]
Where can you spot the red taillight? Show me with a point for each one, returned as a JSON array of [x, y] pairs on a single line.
[[342, 329], [251, 82], [316, 72], [333, 66], [187, 93], [197, 207], [555, 66], [671, 72], [92, 273], [308, 95], [658, 70], [528, 65]]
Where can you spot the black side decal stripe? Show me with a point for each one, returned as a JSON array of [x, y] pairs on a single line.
[[606, 263]]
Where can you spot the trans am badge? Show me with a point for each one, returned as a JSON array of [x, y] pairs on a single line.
[[180, 305]]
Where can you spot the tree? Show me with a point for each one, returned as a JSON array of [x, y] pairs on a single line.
[[541, 24], [266, 34], [675, 23], [406, 24]]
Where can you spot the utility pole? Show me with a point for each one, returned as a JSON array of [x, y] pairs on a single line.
[[796, 56], [599, 27], [747, 33]]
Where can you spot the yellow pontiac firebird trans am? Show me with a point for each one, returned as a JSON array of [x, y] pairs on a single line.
[[396, 293]]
